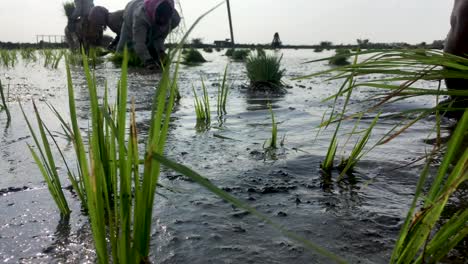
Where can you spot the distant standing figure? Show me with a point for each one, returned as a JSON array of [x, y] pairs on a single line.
[[82, 9], [100, 18], [457, 44], [276, 44], [146, 25]]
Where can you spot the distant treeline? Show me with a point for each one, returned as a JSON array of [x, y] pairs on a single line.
[[322, 46], [318, 47], [40, 45]]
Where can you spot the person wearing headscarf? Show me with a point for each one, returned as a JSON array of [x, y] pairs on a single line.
[[457, 44], [100, 18], [146, 25]]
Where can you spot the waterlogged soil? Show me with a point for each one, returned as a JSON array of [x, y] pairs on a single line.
[[358, 218]]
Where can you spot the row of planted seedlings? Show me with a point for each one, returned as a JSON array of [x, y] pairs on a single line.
[[51, 58]]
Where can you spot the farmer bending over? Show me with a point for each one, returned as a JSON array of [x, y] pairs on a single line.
[[100, 18], [146, 26], [457, 44]]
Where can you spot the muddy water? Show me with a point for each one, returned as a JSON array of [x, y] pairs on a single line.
[[358, 219]]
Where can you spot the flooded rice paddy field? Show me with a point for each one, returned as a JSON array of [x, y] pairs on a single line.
[[358, 219]]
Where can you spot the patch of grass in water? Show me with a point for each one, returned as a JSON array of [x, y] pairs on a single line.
[[193, 57], [240, 54], [264, 71], [340, 58]]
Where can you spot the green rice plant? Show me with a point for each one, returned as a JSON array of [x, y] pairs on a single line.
[[229, 52], [272, 143], [202, 107], [420, 241], [46, 163], [193, 57], [223, 92], [264, 71], [133, 59], [208, 50], [8, 57], [28, 55], [52, 58], [348, 164], [4, 106], [111, 168], [240, 54], [218, 49], [340, 58]]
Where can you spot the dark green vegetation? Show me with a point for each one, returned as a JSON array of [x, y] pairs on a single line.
[[133, 59], [240, 54], [229, 52], [68, 8], [264, 71], [340, 58], [193, 57], [202, 107], [208, 50]]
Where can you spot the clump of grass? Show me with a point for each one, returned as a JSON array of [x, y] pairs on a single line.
[[28, 55], [52, 58], [9, 58], [202, 107], [193, 57], [4, 106], [223, 92], [133, 60], [340, 58], [208, 50], [318, 49], [240, 54], [229, 52], [264, 71], [218, 49]]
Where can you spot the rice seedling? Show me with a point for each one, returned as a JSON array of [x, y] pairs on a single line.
[[240, 54], [28, 55], [340, 58], [202, 107], [272, 143], [348, 164], [419, 240], [193, 57], [46, 163], [9, 58], [52, 58], [218, 49], [264, 71], [4, 106], [208, 50], [223, 92]]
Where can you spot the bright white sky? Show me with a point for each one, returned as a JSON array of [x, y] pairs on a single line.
[[255, 21]]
